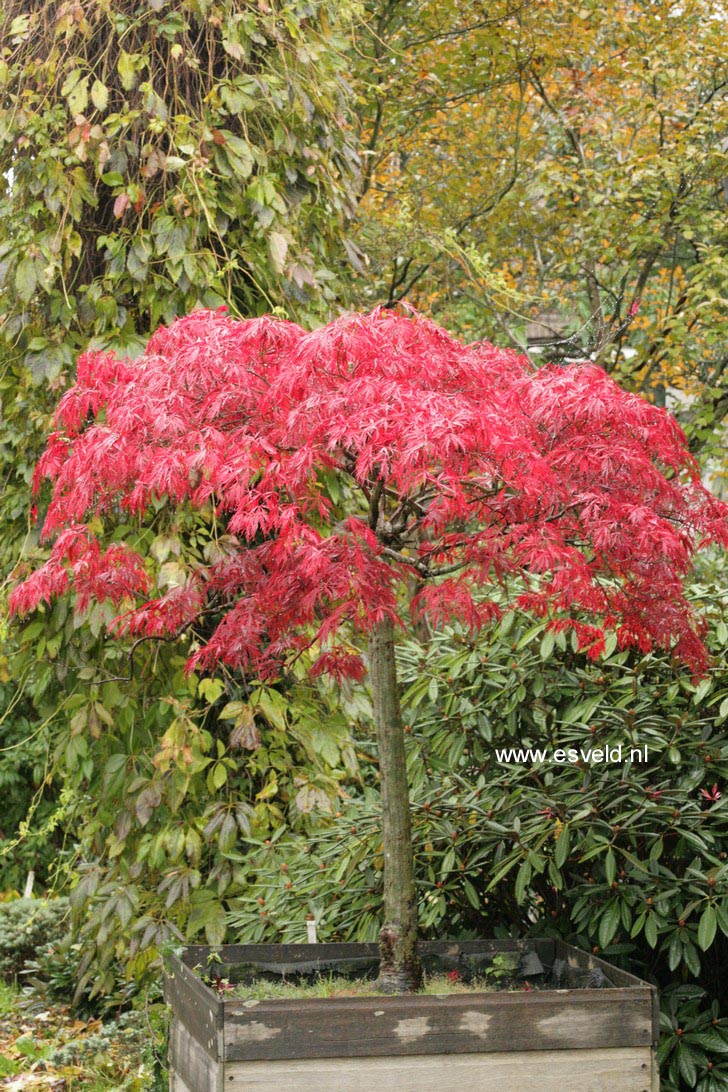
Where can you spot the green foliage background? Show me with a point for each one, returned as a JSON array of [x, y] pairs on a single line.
[[627, 859], [156, 158]]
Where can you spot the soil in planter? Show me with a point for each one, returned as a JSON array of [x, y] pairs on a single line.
[[522, 971], [343, 986]]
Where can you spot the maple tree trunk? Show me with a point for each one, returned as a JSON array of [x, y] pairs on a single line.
[[400, 970]]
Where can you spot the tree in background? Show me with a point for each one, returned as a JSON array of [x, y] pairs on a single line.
[[437, 158], [566, 162], [338, 467], [155, 158]]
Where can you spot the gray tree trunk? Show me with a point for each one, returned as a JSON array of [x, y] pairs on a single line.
[[400, 970]]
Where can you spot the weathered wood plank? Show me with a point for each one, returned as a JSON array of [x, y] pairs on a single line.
[[454, 1024], [305, 953], [176, 1084], [277, 953], [543, 946], [586, 961], [617, 1070], [655, 1086], [619, 978], [190, 1063], [195, 1006]]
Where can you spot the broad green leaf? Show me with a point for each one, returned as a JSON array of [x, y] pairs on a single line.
[[471, 895], [722, 916], [609, 923], [25, 278], [239, 156], [707, 927], [563, 844], [278, 246], [70, 82], [99, 95], [610, 866], [78, 97], [522, 880], [703, 689], [686, 1064], [211, 689], [651, 930], [127, 71], [232, 710]]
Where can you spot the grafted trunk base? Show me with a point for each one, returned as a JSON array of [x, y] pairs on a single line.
[[400, 969]]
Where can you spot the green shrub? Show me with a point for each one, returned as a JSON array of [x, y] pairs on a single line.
[[55, 975], [27, 927], [24, 792], [625, 858], [694, 1041], [128, 1031]]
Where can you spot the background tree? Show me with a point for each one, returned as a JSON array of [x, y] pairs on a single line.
[[159, 160], [342, 464], [560, 162], [437, 160], [154, 158]]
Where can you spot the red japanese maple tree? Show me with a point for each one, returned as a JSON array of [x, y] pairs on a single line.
[[351, 464]]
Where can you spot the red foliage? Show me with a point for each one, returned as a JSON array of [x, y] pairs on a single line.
[[463, 466], [711, 795]]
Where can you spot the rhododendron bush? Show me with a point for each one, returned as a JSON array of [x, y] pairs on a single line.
[[372, 469]]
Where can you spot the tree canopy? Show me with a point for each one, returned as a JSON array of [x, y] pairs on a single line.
[[373, 449], [157, 158], [561, 163]]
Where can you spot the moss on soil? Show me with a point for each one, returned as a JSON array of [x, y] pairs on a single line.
[[260, 989]]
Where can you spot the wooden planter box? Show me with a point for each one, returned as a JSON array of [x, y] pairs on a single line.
[[596, 1032]]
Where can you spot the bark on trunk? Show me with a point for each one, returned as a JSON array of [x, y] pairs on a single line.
[[400, 970]]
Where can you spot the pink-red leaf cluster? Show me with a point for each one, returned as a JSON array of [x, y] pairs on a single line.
[[460, 467]]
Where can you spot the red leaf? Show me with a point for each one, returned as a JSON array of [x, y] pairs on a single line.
[[375, 452], [121, 204]]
